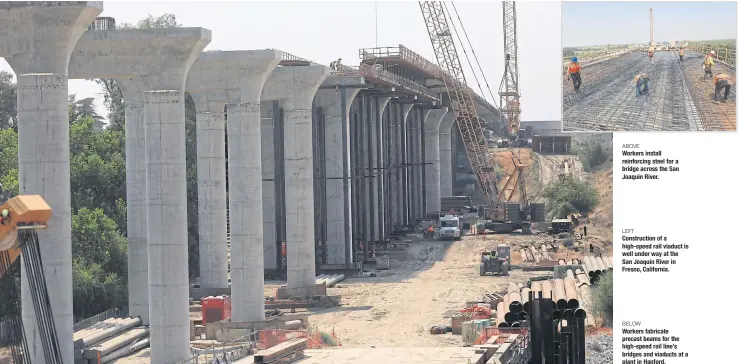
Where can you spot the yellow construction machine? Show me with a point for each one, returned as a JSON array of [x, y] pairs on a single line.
[[20, 219]]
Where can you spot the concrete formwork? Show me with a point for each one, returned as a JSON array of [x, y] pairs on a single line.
[[335, 103], [296, 87], [235, 78], [446, 153], [432, 123], [136, 52], [37, 39]]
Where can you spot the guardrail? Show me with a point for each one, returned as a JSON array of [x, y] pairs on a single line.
[[419, 61], [724, 55], [379, 73], [111, 313]]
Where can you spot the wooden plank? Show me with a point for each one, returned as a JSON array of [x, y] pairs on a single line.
[[280, 350]]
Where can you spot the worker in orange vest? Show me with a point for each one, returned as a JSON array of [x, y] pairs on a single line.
[[722, 82], [573, 73], [681, 54], [650, 54], [708, 63]]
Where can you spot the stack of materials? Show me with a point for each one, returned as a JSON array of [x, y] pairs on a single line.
[[286, 352], [511, 312], [533, 254], [595, 267], [470, 330], [329, 280], [109, 340], [569, 262]]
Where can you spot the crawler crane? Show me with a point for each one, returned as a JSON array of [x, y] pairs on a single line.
[[506, 216], [20, 218]]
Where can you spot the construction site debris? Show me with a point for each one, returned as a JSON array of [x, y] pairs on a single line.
[[599, 349], [285, 349]]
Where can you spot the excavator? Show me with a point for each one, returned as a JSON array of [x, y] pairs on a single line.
[[20, 219]]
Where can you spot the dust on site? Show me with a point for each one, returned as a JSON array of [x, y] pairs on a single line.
[[380, 213], [682, 76]]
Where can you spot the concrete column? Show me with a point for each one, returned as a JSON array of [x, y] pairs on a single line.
[[166, 206], [211, 188], [271, 247], [138, 258], [377, 146], [336, 106], [433, 119], [410, 141], [397, 195], [38, 47], [445, 154], [297, 87], [405, 171]]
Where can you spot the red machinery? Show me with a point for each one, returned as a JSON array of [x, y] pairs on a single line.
[[215, 309]]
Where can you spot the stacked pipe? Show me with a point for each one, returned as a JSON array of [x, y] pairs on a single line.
[[553, 340], [511, 311], [329, 280], [530, 253]]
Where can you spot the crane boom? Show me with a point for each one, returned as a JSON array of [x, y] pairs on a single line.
[[509, 93], [462, 101]]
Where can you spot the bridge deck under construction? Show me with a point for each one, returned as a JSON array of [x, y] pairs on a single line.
[[678, 99]]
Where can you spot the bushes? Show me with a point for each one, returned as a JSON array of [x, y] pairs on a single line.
[[569, 196], [592, 153], [602, 294]]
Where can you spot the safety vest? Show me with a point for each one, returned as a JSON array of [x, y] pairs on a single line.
[[709, 61], [574, 68], [681, 52], [721, 77]]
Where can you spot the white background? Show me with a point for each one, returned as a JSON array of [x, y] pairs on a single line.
[[695, 206]]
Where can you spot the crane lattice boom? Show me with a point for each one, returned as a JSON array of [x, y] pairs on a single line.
[[462, 101], [509, 93]]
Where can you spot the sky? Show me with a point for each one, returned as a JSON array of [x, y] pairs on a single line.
[[324, 31], [600, 23]]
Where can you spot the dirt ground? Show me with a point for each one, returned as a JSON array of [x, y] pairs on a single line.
[[398, 308]]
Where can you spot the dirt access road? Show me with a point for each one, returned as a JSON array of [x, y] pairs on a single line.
[[398, 308]]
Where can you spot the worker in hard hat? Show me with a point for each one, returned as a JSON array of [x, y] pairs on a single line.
[[651, 50], [573, 73], [681, 54], [722, 82], [708, 63], [641, 82]]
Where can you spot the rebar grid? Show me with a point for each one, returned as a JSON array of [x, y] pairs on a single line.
[[677, 100]]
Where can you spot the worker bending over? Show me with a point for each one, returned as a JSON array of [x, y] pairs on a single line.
[[641, 81], [650, 54], [573, 73], [681, 54], [708, 63], [722, 82]]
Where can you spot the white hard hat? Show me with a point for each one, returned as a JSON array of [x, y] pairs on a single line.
[[712, 52]]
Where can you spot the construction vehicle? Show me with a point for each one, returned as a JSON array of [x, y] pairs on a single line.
[[560, 226], [496, 261], [449, 227], [506, 216], [20, 218]]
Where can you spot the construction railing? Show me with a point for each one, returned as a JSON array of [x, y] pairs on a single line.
[[416, 60], [723, 54], [377, 72]]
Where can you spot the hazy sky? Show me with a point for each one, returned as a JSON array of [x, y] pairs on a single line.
[[597, 23], [325, 31]]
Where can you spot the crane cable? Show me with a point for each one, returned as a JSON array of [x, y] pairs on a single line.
[[453, 26], [471, 47]]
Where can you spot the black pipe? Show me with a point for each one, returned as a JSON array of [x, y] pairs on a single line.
[[536, 335]]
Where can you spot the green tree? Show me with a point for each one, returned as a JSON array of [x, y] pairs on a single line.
[[569, 195], [84, 108], [7, 101], [9, 159], [602, 294]]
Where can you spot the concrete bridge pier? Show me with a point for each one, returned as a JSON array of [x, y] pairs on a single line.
[[432, 123], [377, 170], [38, 49], [404, 168], [297, 86], [445, 151]]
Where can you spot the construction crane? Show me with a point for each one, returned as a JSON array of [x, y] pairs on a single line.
[[20, 219], [509, 93], [460, 95]]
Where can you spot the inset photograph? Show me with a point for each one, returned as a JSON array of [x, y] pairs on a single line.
[[649, 66]]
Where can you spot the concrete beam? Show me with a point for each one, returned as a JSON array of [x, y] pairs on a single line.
[[445, 153], [241, 75], [433, 119], [336, 105], [296, 88], [36, 39]]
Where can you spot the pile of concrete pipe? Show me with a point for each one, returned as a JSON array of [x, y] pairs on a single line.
[[569, 262], [595, 267], [535, 254], [109, 340], [513, 309], [328, 279], [568, 300]]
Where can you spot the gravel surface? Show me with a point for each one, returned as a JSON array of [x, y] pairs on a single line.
[[599, 349]]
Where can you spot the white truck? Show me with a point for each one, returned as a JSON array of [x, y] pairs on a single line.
[[449, 227]]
